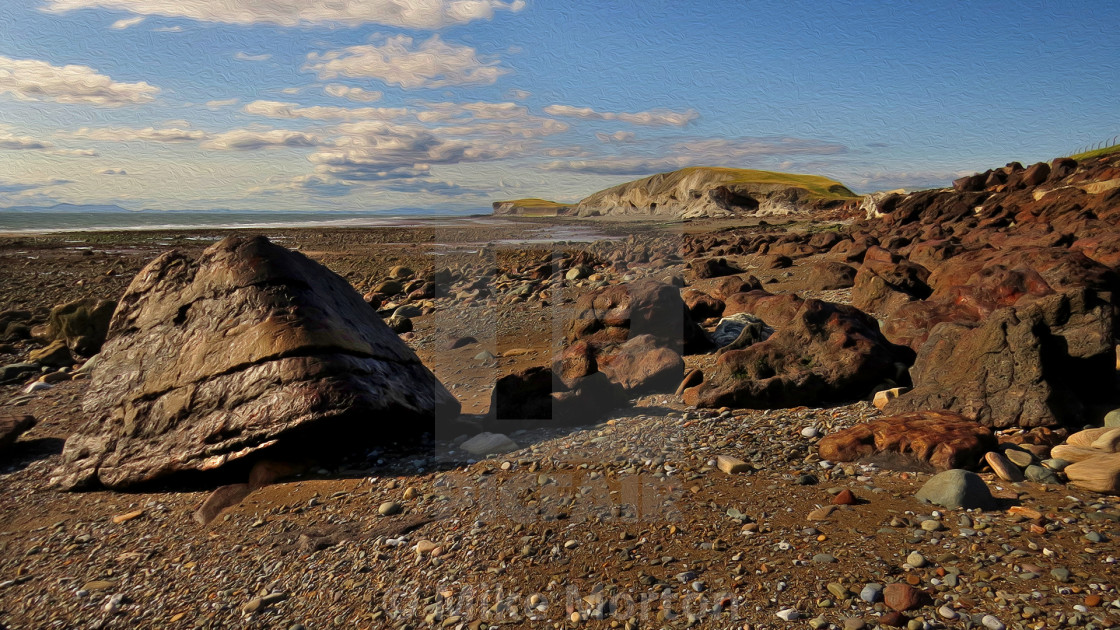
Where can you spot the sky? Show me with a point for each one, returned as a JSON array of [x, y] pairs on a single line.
[[452, 104]]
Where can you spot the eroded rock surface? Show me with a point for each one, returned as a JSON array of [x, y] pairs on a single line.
[[250, 346], [942, 439]]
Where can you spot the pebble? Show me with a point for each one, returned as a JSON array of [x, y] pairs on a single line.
[[871, 593], [789, 614], [389, 508], [810, 432], [824, 558], [992, 623], [916, 560], [947, 613]]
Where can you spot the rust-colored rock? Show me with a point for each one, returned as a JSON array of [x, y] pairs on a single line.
[[613, 314], [248, 349], [821, 352], [902, 597], [943, 439], [641, 367]]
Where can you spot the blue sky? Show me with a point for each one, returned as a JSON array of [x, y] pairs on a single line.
[[451, 104]]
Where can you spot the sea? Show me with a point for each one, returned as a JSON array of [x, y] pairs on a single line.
[[31, 222]]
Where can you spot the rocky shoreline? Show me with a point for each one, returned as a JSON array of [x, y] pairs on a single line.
[[698, 426]]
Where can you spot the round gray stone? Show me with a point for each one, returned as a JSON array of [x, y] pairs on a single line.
[[957, 489]]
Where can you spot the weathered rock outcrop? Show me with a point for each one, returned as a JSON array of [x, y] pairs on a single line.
[[1028, 366], [820, 352], [715, 192], [942, 439], [249, 349], [82, 324], [614, 314], [531, 208]]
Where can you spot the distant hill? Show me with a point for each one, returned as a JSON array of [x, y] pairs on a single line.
[[66, 207], [532, 207], [697, 192]]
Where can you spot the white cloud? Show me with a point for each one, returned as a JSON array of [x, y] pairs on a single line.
[[244, 56], [127, 22], [653, 117], [432, 63], [278, 109], [11, 142], [338, 90], [442, 112], [251, 140], [168, 29], [222, 103], [764, 146], [618, 137], [291, 90], [147, 134], [34, 80], [417, 14]]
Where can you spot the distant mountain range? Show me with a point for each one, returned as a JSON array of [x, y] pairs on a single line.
[[66, 207]]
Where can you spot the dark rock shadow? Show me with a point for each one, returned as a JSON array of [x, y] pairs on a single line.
[[25, 452]]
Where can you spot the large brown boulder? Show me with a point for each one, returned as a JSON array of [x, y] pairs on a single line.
[[942, 439], [886, 281], [249, 349], [821, 352], [1025, 366], [82, 324], [613, 314], [641, 367], [11, 427]]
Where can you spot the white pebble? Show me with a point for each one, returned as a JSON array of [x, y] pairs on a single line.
[[810, 432], [788, 614], [991, 623]]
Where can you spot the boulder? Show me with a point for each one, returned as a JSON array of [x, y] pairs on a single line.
[[249, 350], [576, 361], [821, 352], [957, 489], [700, 305], [1098, 474], [11, 427], [489, 443], [942, 439], [55, 354], [735, 284], [641, 367], [887, 281], [829, 276], [524, 395], [712, 268], [1022, 367], [82, 324], [613, 314]]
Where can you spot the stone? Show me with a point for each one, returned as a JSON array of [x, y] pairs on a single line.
[[844, 497], [640, 366], [957, 489], [56, 354], [901, 597], [824, 558], [11, 427], [613, 314], [884, 396], [830, 276], [389, 508], [219, 499], [788, 614], [575, 361], [1112, 419], [1109, 442], [735, 284], [249, 348], [1040, 474], [942, 439], [886, 281], [731, 465], [526, 394], [1072, 453], [992, 623], [1086, 437], [1098, 474], [1020, 457], [82, 325], [1002, 467], [702, 306], [705, 268], [871, 593], [994, 372], [916, 560], [823, 352], [488, 444]]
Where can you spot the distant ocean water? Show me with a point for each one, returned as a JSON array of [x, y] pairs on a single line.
[[30, 222]]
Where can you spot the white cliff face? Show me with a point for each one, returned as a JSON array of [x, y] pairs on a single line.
[[695, 193]]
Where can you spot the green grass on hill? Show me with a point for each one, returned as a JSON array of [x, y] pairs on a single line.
[[1096, 153], [817, 185], [533, 202]]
